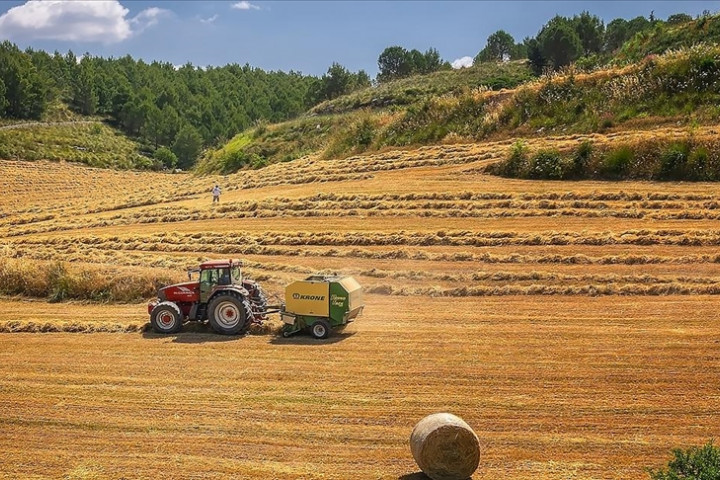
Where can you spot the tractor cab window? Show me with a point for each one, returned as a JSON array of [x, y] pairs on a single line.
[[223, 276], [236, 275], [215, 276], [208, 276]]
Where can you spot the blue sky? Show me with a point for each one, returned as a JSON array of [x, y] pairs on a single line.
[[292, 35]]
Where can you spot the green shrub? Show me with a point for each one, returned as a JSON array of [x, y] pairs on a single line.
[[365, 133], [617, 162], [698, 164], [695, 463], [516, 163], [260, 130], [547, 164], [673, 161], [580, 160], [166, 157], [239, 159]]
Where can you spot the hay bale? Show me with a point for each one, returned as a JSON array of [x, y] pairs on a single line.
[[445, 447]]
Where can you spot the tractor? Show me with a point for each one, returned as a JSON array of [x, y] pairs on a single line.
[[221, 296]]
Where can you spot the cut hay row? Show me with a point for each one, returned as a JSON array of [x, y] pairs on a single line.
[[72, 251], [554, 290], [182, 215], [527, 196], [60, 326], [98, 284], [536, 276], [63, 281], [17, 326], [224, 243]]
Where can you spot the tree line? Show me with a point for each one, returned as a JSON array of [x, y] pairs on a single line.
[[559, 42], [564, 40], [174, 112]]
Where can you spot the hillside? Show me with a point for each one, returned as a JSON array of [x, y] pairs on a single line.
[[420, 88], [244, 117], [670, 36], [678, 87], [88, 141]]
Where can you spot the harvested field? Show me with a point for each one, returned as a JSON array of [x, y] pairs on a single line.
[[551, 392], [571, 324]]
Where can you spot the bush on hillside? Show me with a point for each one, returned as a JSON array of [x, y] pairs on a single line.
[[617, 162], [673, 161], [688, 159], [580, 160], [166, 158], [516, 163], [548, 165]]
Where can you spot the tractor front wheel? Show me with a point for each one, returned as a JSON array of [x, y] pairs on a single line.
[[166, 318], [320, 329], [227, 314]]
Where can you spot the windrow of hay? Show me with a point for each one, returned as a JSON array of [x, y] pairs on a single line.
[[485, 282], [62, 281], [535, 276], [542, 289], [307, 207], [70, 251], [16, 326], [659, 210], [233, 243], [474, 212], [59, 326]]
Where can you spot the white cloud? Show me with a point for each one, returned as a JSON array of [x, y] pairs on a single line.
[[209, 20], [244, 5], [75, 21], [463, 62], [148, 18]]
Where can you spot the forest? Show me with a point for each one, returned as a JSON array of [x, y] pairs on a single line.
[[182, 108]]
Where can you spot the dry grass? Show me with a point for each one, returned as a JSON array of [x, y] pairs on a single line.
[[571, 324], [551, 392]]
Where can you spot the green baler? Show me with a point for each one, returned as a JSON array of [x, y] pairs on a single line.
[[321, 303]]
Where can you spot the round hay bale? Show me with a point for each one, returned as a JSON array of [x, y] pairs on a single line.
[[445, 447]]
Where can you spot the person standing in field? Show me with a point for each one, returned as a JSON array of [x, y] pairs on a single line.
[[216, 194]]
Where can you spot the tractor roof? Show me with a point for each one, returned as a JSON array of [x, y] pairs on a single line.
[[220, 263]]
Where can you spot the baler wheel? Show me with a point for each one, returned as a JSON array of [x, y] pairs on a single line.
[[320, 329]]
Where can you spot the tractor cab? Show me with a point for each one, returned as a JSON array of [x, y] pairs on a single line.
[[217, 274]]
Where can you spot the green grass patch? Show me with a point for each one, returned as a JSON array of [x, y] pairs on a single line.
[[94, 144], [420, 88]]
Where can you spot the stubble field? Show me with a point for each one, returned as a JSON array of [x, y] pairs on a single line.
[[572, 324]]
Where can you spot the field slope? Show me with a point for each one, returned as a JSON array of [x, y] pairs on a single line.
[[572, 324]]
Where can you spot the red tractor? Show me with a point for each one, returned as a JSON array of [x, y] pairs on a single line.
[[221, 296]]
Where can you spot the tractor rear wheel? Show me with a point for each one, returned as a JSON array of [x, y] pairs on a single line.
[[320, 329], [227, 314], [166, 318]]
